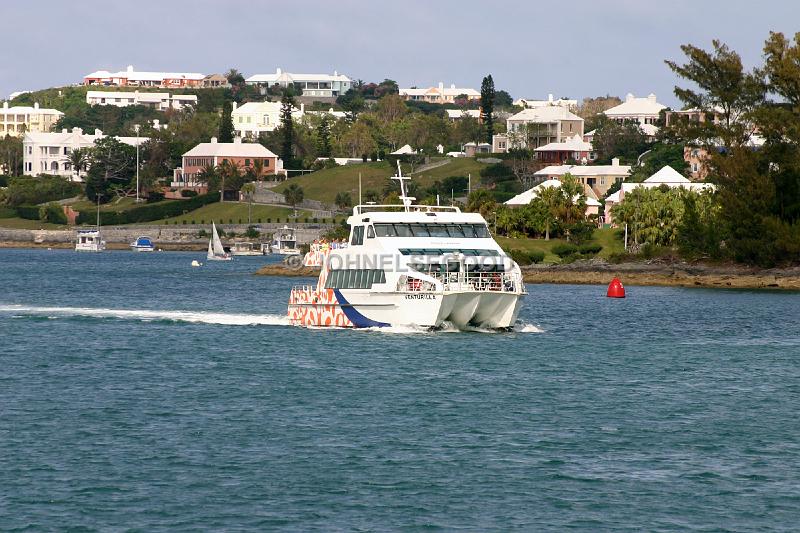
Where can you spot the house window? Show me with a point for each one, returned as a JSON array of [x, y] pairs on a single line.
[[247, 162], [602, 181]]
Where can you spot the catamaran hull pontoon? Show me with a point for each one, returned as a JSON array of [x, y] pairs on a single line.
[[463, 310]]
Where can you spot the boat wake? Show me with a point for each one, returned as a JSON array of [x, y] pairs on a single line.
[[202, 317]]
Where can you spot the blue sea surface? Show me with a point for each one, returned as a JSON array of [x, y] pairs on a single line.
[[139, 393]]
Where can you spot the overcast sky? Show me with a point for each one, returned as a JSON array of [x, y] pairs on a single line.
[[573, 48]]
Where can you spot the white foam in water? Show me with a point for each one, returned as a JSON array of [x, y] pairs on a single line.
[[229, 319], [527, 328]]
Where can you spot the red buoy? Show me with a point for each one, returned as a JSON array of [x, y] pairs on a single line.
[[615, 289]]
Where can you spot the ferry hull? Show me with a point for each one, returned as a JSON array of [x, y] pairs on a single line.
[[360, 309]]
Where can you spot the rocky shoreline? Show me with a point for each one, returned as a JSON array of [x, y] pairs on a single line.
[[653, 273]]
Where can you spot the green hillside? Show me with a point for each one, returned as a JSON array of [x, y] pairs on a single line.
[[232, 213], [323, 185]]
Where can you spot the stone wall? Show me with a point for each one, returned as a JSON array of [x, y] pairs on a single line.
[[306, 233]]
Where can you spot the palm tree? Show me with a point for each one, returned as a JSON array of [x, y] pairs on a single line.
[[343, 200], [230, 171], [78, 160], [294, 195], [248, 190], [551, 198], [258, 169]]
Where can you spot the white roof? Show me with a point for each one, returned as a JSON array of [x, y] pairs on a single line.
[[405, 149], [133, 75], [459, 113], [649, 129], [331, 112], [234, 149], [585, 170], [529, 102], [27, 110], [636, 106], [613, 198], [75, 137], [258, 107], [441, 89], [571, 144], [524, 198], [545, 114], [289, 77], [667, 175]]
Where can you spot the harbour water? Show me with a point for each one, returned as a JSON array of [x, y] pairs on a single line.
[[139, 393]]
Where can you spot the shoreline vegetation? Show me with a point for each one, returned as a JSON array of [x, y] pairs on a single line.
[[599, 272]]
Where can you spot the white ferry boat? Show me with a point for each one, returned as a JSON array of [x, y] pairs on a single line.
[[413, 265], [89, 240]]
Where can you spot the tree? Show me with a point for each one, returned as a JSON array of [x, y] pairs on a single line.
[[624, 140], [249, 190], [11, 156], [352, 103], [550, 198], [234, 77], [503, 100], [481, 201], [724, 86], [293, 194], [391, 108], [258, 169], [229, 172], [226, 123], [287, 130], [207, 176], [358, 141], [113, 166], [324, 137], [487, 107], [343, 200]]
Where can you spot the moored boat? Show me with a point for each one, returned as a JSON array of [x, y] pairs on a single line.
[[285, 242], [143, 243]]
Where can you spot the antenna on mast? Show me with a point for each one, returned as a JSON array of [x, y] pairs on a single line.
[[403, 198]]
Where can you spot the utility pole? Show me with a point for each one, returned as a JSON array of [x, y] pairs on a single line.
[[136, 127]]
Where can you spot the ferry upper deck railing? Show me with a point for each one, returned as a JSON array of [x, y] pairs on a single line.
[[371, 208], [452, 281]]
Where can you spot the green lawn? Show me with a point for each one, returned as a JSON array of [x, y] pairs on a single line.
[[123, 204], [323, 185], [24, 223], [605, 237], [223, 213]]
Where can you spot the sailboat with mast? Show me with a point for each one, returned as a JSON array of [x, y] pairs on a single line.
[[90, 240], [216, 252]]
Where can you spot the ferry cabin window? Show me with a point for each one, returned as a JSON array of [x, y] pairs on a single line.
[[354, 278], [370, 233], [358, 236], [473, 231]]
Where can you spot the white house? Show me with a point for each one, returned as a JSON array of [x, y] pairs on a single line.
[[325, 85], [253, 118], [48, 153], [642, 110], [17, 120], [524, 198], [666, 176], [135, 78], [440, 94], [563, 102], [160, 101], [535, 127], [598, 178], [458, 114]]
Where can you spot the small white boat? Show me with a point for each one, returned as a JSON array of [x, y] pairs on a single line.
[[285, 242], [216, 252], [143, 243], [89, 240], [241, 248]]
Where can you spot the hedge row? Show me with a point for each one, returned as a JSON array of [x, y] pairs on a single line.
[[30, 212], [148, 213]]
